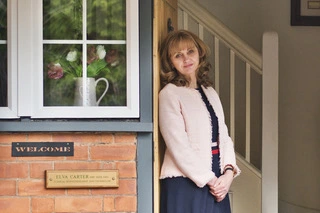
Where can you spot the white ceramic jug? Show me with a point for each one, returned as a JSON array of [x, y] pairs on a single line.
[[91, 99]]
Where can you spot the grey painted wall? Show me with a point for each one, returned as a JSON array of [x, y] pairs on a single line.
[[299, 98]]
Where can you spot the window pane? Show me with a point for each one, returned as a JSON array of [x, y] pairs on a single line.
[[108, 62], [106, 20], [64, 47], [3, 55], [62, 64], [62, 19]]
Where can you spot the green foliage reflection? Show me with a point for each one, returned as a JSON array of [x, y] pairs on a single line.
[[62, 20], [3, 19], [3, 55], [59, 80], [106, 19]]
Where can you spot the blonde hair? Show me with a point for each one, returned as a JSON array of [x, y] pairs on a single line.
[[173, 42]]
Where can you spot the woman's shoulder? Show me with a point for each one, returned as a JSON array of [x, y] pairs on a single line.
[[167, 91], [169, 88], [177, 90], [210, 89], [172, 91]]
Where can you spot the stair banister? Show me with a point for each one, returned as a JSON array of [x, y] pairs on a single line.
[[270, 122], [205, 18]]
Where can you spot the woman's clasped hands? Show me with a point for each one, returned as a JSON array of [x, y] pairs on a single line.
[[219, 187]]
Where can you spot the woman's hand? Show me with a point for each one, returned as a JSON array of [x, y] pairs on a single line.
[[212, 182], [221, 186]]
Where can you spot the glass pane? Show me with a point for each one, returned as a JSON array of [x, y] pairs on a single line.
[[62, 19], [108, 63], [106, 20], [62, 64], [3, 55], [105, 53]]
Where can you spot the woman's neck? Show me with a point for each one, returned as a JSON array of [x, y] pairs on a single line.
[[193, 83]]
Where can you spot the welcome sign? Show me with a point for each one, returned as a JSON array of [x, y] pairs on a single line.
[[35, 149]]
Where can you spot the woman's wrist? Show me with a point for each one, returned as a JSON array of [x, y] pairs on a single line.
[[229, 169]]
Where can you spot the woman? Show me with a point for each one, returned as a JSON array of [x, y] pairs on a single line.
[[199, 162]]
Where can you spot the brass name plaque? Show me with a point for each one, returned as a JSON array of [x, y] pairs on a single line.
[[82, 178]]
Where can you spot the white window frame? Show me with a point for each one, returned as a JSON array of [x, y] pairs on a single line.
[[26, 84], [11, 110]]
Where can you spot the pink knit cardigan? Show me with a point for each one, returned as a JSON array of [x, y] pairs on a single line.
[[186, 129]]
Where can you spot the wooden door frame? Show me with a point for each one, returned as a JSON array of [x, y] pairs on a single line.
[[162, 10]]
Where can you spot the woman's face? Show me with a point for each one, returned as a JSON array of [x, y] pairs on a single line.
[[186, 60]]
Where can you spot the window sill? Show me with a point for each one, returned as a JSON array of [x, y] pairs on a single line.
[[27, 125]]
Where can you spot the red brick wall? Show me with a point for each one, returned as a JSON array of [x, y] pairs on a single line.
[[22, 179]]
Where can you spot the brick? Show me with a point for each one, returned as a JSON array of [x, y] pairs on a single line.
[[14, 170], [36, 187], [63, 137], [37, 170], [42, 205], [81, 152], [127, 169], [121, 152], [42, 158], [8, 187], [77, 137], [109, 165], [107, 138], [39, 137], [126, 187], [78, 204], [126, 203], [78, 192], [12, 137], [125, 138], [6, 153], [108, 204], [20, 205], [77, 165]]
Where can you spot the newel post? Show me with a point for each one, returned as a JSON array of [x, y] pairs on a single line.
[[270, 88]]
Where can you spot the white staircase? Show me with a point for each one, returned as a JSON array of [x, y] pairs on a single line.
[[236, 63]]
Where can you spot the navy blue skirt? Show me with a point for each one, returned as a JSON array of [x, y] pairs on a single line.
[[181, 195]]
